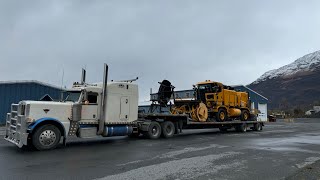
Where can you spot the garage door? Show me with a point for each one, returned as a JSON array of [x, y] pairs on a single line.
[[263, 115]]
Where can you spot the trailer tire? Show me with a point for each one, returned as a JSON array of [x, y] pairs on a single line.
[[241, 127], [168, 129], [261, 127], [154, 131], [46, 137], [257, 127], [222, 115]]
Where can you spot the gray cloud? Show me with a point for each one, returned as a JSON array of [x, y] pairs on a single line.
[[184, 41]]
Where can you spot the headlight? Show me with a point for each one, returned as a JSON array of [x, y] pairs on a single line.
[[30, 120]]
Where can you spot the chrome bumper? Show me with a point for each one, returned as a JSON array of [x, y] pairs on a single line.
[[23, 140], [16, 131]]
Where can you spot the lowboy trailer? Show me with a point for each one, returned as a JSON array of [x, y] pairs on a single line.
[[155, 125]]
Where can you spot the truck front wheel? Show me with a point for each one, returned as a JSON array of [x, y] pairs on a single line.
[[222, 115], [154, 131], [245, 115], [46, 137], [168, 129]]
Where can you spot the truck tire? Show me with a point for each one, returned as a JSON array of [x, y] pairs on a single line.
[[46, 137], [168, 129], [154, 131], [222, 115], [245, 115], [241, 128]]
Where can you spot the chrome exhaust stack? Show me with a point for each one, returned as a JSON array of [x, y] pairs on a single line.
[[103, 100], [83, 76]]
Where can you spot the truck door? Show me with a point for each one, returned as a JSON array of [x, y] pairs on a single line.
[[90, 107], [124, 108]]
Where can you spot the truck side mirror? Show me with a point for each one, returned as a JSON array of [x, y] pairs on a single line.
[[84, 97]]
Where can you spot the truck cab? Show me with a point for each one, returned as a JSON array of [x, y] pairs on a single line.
[[208, 90], [88, 110], [222, 101], [87, 99]]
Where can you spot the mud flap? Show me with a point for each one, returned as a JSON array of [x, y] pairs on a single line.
[[64, 141], [144, 126], [178, 127]]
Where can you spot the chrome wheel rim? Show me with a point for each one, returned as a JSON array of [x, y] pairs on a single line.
[[222, 115], [154, 131], [169, 129], [47, 138], [245, 116]]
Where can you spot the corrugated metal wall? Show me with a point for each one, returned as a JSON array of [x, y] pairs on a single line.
[[15, 92], [254, 97]]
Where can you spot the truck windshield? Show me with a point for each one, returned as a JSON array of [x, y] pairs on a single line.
[[203, 87], [73, 96]]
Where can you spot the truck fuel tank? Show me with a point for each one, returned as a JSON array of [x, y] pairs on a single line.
[[234, 112], [118, 130]]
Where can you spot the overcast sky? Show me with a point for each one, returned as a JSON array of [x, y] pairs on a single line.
[[233, 42]]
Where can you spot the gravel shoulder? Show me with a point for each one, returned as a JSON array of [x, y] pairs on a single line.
[[309, 172]]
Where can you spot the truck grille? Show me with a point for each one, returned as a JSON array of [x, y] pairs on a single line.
[[15, 124]]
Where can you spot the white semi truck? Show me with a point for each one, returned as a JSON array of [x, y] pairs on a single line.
[[95, 110]]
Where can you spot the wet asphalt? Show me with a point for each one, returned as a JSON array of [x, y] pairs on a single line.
[[282, 150]]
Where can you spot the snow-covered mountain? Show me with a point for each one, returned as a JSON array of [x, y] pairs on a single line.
[[295, 85], [303, 64]]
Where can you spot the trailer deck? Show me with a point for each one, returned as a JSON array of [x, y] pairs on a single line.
[[155, 122]]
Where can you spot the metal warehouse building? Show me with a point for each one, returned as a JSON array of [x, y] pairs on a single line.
[[15, 91], [257, 100]]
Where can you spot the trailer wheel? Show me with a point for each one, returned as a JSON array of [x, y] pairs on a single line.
[[245, 115], [46, 137], [241, 127], [222, 115], [154, 131], [168, 129], [257, 127]]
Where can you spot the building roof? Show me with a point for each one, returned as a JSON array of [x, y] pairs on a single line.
[[30, 81], [250, 90]]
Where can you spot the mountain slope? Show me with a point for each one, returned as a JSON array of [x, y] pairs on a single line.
[[294, 85]]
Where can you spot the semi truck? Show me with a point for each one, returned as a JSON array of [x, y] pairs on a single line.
[[100, 110]]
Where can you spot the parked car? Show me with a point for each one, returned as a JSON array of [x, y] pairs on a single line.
[[272, 118]]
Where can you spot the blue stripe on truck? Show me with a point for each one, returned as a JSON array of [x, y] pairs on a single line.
[[34, 124]]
